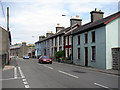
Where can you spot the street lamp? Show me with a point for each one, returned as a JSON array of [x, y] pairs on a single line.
[[67, 15], [71, 33]]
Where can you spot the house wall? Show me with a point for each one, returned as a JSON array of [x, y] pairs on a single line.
[[0, 48], [100, 44], [111, 41], [119, 31], [4, 41], [48, 47], [4, 46], [20, 52], [0, 41]]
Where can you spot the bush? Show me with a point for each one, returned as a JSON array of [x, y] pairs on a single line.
[[59, 54], [52, 58]]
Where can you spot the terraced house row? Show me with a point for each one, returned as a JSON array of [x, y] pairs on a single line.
[[90, 44]]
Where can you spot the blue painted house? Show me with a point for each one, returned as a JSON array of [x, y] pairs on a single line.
[[93, 42]]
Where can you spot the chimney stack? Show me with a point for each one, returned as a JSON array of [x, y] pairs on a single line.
[[96, 15], [75, 21], [49, 33], [41, 37], [58, 28]]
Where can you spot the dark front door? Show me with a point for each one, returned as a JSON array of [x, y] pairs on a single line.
[[86, 56]]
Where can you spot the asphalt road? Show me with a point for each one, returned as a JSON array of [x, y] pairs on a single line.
[[28, 73]]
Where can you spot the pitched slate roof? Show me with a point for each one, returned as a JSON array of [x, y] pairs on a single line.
[[96, 24], [68, 32], [17, 46], [52, 36]]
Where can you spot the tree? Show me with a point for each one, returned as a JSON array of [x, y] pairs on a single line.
[[59, 54]]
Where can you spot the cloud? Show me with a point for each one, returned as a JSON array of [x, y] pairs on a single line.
[[35, 17]]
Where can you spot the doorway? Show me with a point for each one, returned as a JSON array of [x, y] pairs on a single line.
[[86, 56]]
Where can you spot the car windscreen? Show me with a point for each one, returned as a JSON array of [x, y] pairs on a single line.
[[45, 57]]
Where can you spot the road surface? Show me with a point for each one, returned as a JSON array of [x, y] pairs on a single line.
[[28, 73]]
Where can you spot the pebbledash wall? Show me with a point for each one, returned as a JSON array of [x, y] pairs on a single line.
[[111, 40], [4, 47], [100, 49], [106, 38]]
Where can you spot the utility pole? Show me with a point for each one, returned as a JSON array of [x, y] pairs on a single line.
[[7, 18], [8, 34]]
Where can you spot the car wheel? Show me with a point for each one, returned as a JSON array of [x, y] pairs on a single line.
[[50, 62]]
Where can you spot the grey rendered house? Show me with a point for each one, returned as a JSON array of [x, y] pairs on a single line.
[[5, 42], [51, 44], [93, 42], [19, 50]]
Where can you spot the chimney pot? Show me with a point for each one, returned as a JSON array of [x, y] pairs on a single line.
[[77, 16], [58, 25], [95, 9], [96, 15]]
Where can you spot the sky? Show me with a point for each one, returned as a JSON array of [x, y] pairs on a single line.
[[31, 18]]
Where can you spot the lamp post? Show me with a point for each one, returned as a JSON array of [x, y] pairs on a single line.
[[71, 56]]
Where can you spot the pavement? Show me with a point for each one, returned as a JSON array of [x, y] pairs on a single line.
[[28, 73]]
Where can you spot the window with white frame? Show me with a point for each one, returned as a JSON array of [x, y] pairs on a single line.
[[66, 52], [66, 40], [70, 40], [70, 51]]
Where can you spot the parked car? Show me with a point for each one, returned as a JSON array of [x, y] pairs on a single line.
[[26, 57], [44, 59]]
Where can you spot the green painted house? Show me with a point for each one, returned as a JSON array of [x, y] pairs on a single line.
[[93, 42]]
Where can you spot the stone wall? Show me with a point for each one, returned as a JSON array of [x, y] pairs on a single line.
[[116, 58]]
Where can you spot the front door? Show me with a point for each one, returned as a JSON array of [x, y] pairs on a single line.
[[86, 56]]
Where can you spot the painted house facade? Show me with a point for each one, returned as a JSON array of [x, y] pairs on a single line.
[[19, 50], [68, 38], [93, 42], [51, 44]]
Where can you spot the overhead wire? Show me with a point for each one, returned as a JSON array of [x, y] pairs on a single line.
[[2, 10]]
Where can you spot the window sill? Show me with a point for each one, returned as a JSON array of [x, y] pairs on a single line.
[[85, 43], [93, 60], [92, 42]]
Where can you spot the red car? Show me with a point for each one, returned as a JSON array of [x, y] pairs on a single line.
[[44, 59]]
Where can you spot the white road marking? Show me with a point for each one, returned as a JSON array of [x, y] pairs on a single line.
[[68, 74], [10, 79], [101, 86], [25, 82], [21, 73], [27, 86], [15, 72], [48, 67], [23, 78]]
